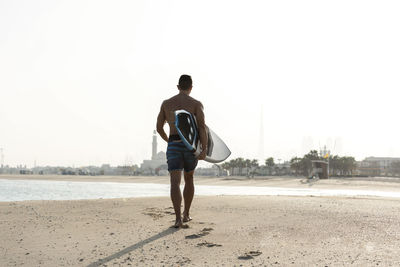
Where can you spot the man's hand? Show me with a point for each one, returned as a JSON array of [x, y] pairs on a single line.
[[202, 155]]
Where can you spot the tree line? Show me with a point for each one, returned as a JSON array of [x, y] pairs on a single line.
[[338, 166], [240, 163], [395, 168]]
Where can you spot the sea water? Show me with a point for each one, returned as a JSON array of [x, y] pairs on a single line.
[[18, 190]]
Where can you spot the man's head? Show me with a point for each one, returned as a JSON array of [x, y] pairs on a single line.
[[185, 83]]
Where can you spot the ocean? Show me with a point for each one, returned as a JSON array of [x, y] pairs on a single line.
[[19, 190]]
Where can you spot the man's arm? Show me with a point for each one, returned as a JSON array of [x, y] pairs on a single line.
[[202, 130], [161, 122]]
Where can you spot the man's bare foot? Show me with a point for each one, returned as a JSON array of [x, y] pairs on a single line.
[[178, 223], [186, 218]]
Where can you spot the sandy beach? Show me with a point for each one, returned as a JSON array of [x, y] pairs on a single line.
[[225, 231]]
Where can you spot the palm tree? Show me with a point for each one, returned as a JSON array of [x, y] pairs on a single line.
[[295, 164], [247, 164], [254, 166], [269, 162], [254, 163], [334, 165], [231, 165], [226, 166], [234, 164], [240, 163], [349, 165]]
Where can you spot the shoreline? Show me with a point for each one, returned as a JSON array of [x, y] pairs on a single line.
[[61, 190], [370, 183], [165, 179], [76, 188]]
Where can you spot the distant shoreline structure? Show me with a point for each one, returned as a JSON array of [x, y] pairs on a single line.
[[369, 167], [297, 167]]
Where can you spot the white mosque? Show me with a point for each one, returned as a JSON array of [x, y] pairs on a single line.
[[158, 160]]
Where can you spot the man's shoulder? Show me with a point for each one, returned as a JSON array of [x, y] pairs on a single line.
[[172, 98], [169, 100], [187, 98], [193, 100]]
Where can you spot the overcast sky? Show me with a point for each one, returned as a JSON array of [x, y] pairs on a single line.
[[81, 82]]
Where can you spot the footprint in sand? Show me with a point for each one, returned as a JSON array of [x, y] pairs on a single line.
[[166, 211], [183, 261], [202, 233], [250, 255], [154, 213], [209, 223], [207, 244], [157, 213]]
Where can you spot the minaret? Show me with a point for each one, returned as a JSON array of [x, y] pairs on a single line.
[[1, 158], [154, 151], [261, 140]]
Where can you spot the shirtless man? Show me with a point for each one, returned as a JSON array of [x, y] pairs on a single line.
[[178, 156]]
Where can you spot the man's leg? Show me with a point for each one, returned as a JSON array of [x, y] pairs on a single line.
[[176, 196], [188, 193]]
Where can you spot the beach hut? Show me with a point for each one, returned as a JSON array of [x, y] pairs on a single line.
[[320, 169]]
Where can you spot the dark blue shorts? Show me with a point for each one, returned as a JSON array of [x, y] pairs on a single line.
[[179, 157]]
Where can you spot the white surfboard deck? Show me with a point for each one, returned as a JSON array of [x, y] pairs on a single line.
[[185, 123]]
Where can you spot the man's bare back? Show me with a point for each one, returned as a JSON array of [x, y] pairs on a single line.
[[181, 101]]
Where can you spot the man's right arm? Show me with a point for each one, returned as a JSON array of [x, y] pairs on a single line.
[[160, 123]]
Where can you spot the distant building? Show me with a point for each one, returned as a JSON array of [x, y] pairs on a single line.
[[376, 166], [214, 170], [277, 169], [158, 161]]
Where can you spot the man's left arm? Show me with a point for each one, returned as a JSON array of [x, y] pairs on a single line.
[[202, 130], [160, 124]]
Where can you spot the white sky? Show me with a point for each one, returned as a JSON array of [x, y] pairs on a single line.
[[81, 82]]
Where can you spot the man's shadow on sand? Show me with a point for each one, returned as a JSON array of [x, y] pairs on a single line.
[[140, 244]]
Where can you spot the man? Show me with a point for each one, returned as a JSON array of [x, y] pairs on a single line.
[[178, 156]]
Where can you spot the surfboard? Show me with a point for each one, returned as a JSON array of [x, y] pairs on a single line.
[[186, 125]]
